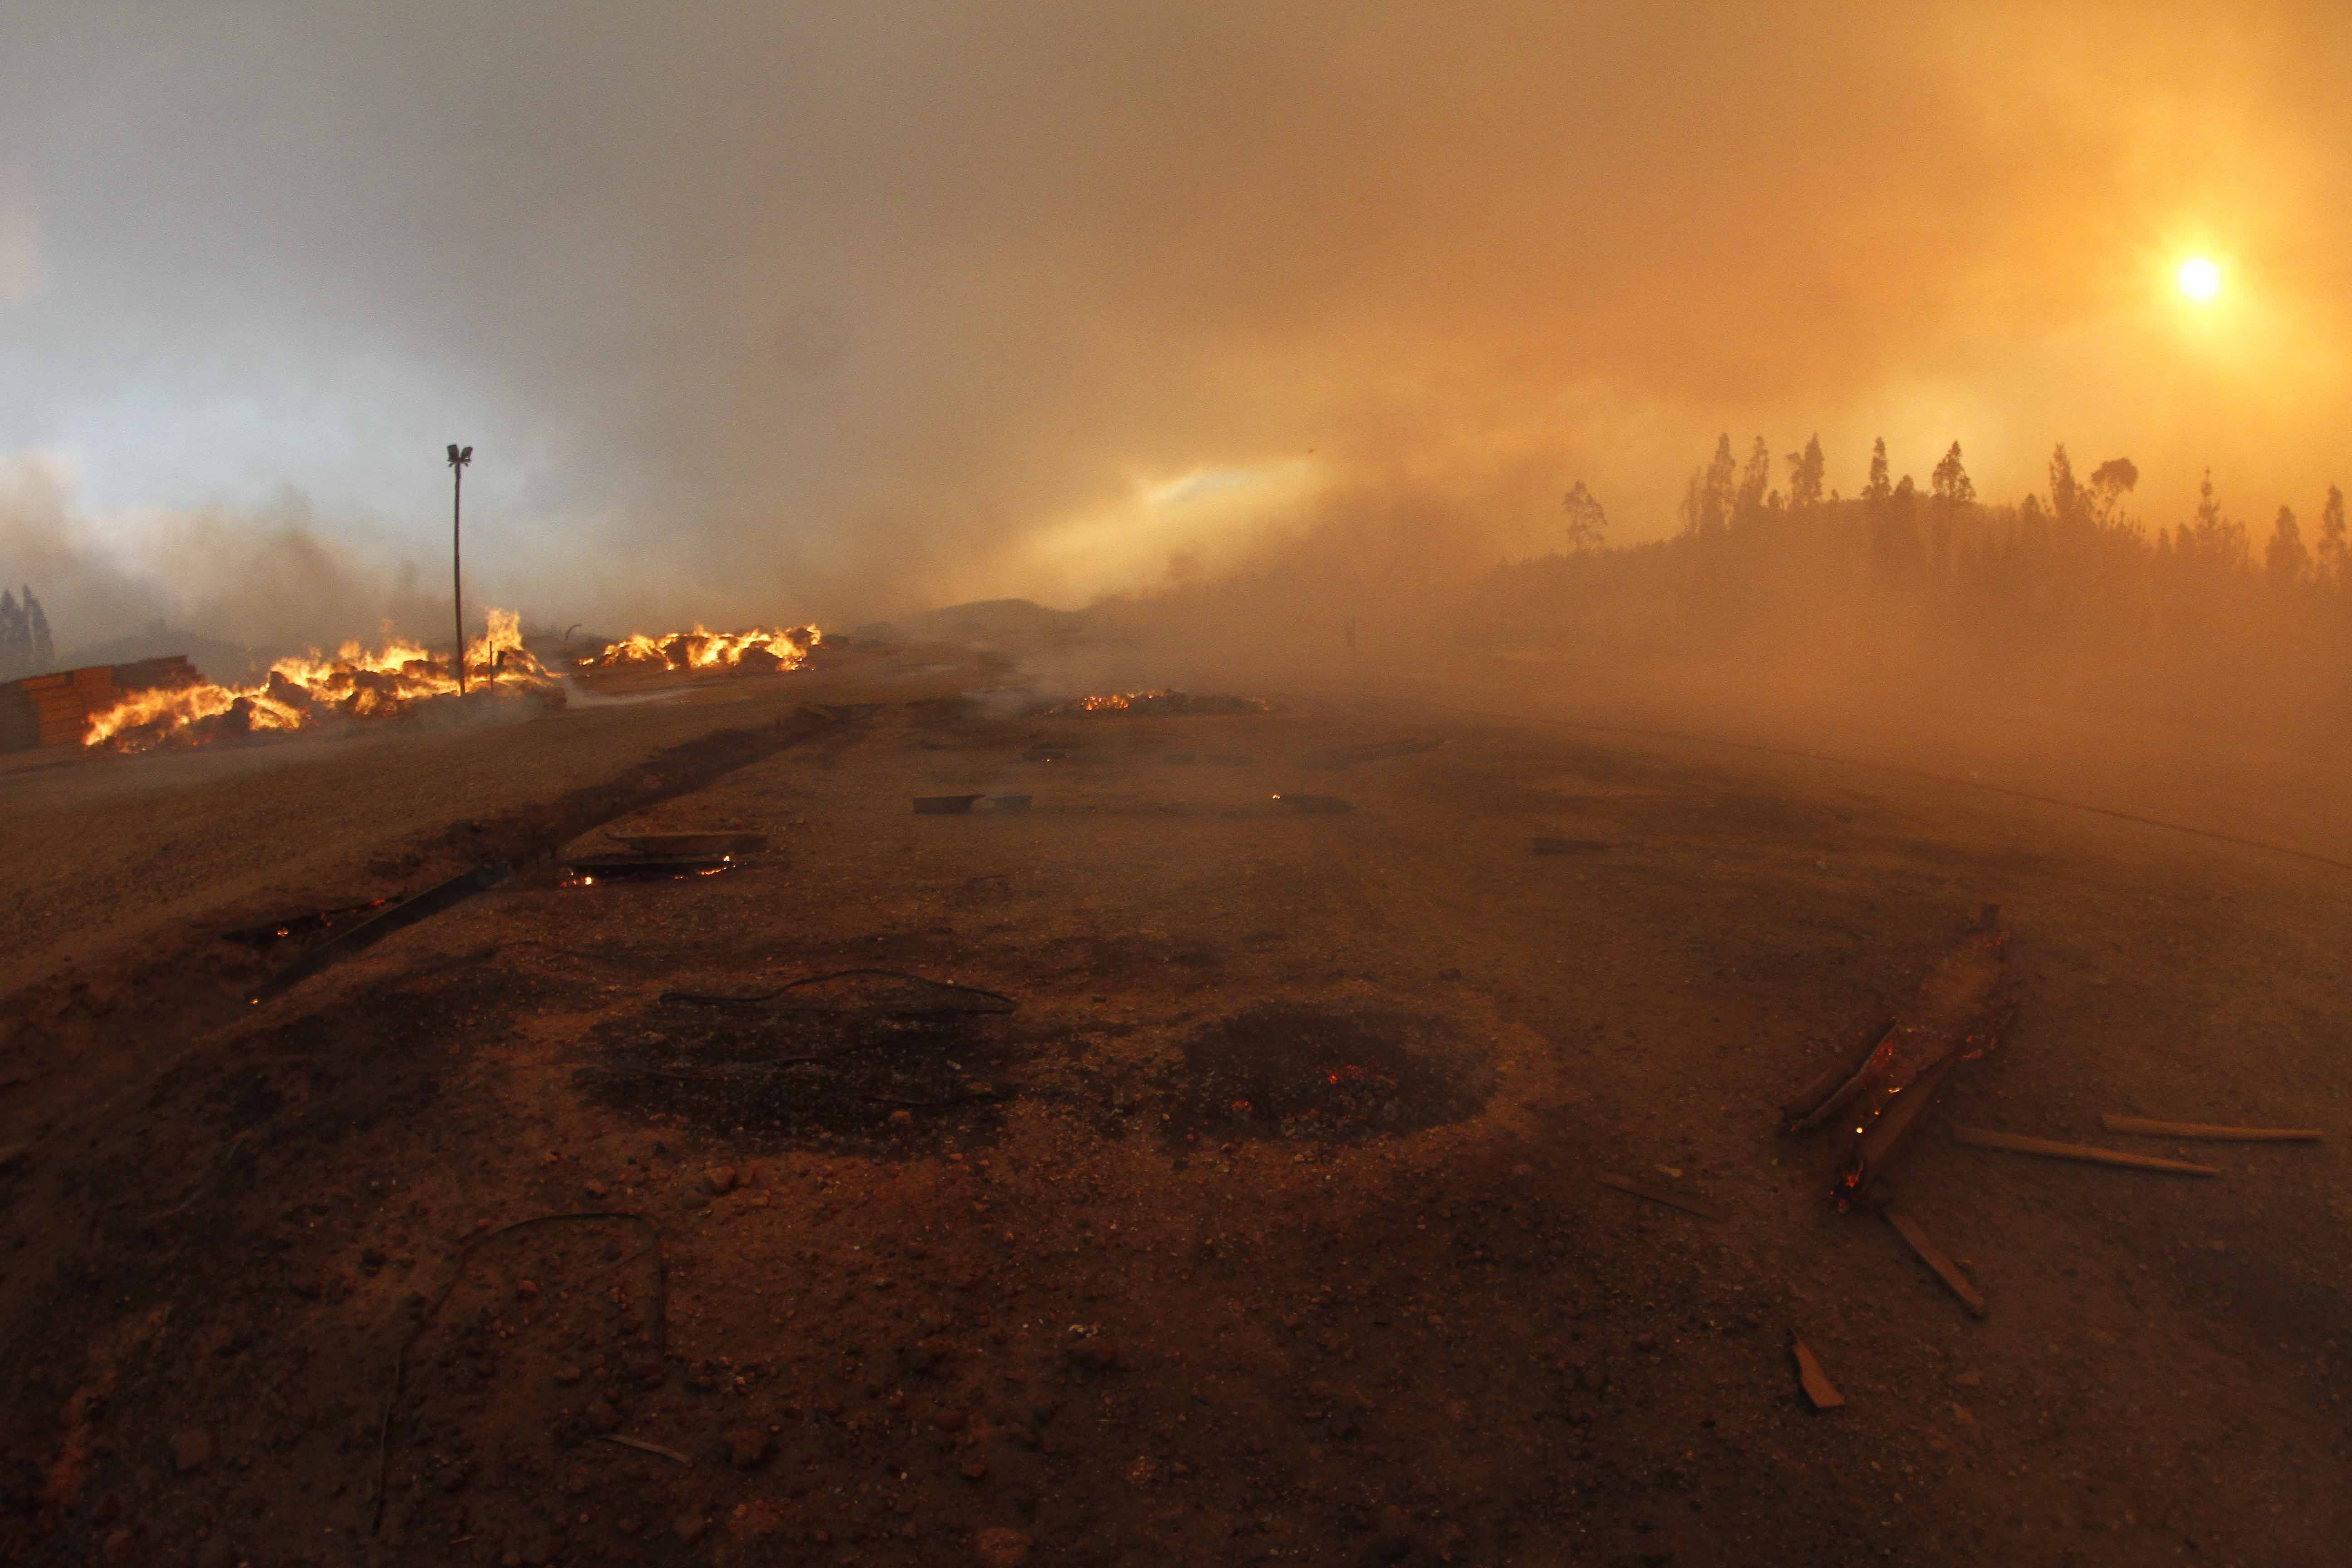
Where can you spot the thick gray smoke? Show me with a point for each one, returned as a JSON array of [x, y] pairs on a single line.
[[756, 310]]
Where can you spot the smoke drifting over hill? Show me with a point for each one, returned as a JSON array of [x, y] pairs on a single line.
[[756, 310]]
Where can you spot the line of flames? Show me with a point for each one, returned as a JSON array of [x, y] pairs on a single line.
[[307, 689], [703, 648]]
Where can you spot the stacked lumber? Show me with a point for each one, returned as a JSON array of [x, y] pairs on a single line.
[[55, 709]]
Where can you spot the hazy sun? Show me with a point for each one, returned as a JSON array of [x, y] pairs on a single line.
[[2200, 279]]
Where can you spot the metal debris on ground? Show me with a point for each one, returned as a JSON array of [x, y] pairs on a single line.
[[1568, 846], [1934, 1257], [944, 804], [1315, 805], [1812, 1379], [2211, 1134], [1671, 1200], [367, 934], [1984, 1138]]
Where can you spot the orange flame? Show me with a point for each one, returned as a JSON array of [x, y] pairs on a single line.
[[306, 691], [1162, 702], [1112, 702], [703, 648]]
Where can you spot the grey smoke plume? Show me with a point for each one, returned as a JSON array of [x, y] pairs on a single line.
[[757, 310]]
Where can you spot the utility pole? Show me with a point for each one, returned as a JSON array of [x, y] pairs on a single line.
[[458, 458]]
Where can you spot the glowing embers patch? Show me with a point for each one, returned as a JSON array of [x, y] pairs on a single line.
[[1173, 704], [317, 922], [590, 870], [1286, 1071]]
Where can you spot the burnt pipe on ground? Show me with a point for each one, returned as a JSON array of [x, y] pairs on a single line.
[[1281, 1071], [883, 1066]]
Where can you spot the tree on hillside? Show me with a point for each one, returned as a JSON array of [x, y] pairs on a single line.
[[36, 631], [15, 639], [1950, 483], [1588, 524], [2067, 504], [2213, 540], [1877, 488], [1707, 503], [1755, 480], [2110, 482], [2331, 539], [2286, 561], [1806, 470]]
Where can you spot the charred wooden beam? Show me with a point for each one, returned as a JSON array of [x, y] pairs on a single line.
[[1934, 1257], [2016, 1143], [2211, 1134], [1671, 1200], [1950, 1019], [1812, 1379], [1838, 1083]]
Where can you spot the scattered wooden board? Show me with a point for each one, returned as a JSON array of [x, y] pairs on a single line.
[[645, 1447], [1672, 1200], [1985, 1139], [1816, 1382], [2208, 1133], [1933, 1256]]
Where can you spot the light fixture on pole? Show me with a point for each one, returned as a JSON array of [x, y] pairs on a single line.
[[458, 458]]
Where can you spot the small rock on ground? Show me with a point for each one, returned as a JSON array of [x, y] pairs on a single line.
[[191, 1450], [1002, 1548]]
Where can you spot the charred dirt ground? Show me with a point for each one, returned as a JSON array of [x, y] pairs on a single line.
[[1162, 1173]]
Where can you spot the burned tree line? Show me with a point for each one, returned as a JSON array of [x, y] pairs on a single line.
[[1724, 494], [26, 645], [2067, 586]]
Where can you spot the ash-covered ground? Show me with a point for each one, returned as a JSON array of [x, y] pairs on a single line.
[[1163, 1173]]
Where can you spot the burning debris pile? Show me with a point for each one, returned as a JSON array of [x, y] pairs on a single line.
[[315, 690], [1177, 704], [756, 651]]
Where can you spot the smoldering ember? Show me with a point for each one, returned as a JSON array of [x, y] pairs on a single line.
[[1198, 784]]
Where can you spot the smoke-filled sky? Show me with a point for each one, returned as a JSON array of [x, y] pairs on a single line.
[[764, 311]]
